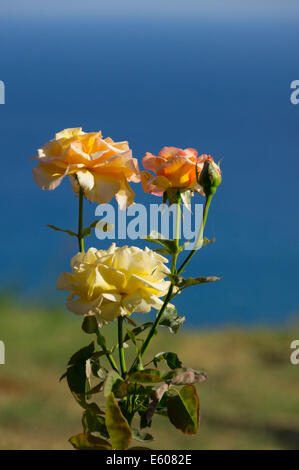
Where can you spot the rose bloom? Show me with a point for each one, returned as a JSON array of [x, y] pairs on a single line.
[[173, 168], [101, 167], [115, 282]]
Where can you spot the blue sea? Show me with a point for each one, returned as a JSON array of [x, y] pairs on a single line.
[[221, 86]]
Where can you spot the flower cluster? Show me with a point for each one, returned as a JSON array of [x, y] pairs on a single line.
[[110, 285]]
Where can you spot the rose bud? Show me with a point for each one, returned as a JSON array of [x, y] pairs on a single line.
[[209, 177]]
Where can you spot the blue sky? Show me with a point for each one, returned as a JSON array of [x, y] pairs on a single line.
[[263, 9]]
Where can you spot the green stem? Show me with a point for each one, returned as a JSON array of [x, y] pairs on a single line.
[[122, 361], [111, 361], [80, 237], [200, 234], [177, 233], [80, 221], [109, 356], [153, 329]]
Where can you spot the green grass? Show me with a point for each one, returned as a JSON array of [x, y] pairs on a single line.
[[250, 400]]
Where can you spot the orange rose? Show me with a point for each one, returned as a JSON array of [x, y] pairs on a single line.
[[174, 168], [101, 167]]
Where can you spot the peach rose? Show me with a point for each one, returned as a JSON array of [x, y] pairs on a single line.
[[174, 168], [101, 167]]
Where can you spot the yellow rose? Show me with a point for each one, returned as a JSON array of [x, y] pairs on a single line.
[[115, 282], [100, 166]]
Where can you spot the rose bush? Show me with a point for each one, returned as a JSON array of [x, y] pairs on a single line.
[[108, 285]]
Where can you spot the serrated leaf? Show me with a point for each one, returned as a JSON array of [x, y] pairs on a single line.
[[171, 319], [69, 232], [84, 441], [117, 425], [183, 410]]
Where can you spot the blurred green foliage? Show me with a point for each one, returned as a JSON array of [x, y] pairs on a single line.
[[250, 400]]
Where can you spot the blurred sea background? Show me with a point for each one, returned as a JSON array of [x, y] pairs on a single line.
[[186, 76], [177, 75], [211, 75]]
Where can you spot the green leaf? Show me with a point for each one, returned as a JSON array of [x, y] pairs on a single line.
[[101, 340], [111, 378], [94, 423], [169, 246], [84, 441], [171, 319], [76, 371], [185, 376], [117, 426], [87, 231], [90, 324], [82, 355], [170, 358], [136, 331], [69, 232], [182, 283], [99, 225], [146, 376], [183, 410], [96, 368], [141, 436]]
